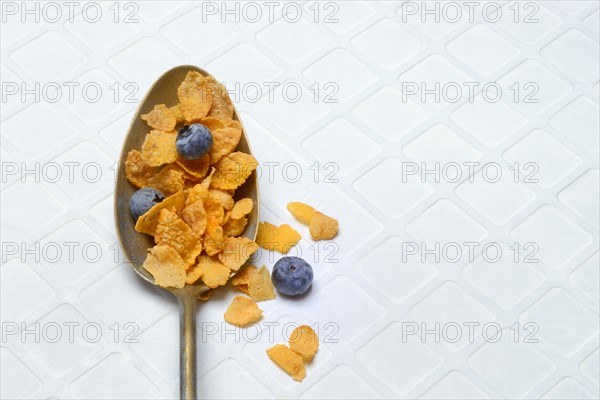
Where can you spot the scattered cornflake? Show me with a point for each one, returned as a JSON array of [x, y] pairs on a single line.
[[260, 286], [280, 238], [166, 266], [242, 312], [289, 361], [161, 118], [323, 227], [304, 341], [302, 212]]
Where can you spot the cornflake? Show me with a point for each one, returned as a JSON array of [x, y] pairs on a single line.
[[242, 312], [304, 341], [233, 170], [159, 148], [195, 98], [280, 238], [147, 223], [236, 251], [289, 361], [260, 286], [166, 266], [161, 118], [172, 231]]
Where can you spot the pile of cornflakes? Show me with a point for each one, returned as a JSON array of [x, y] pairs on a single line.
[[197, 228]]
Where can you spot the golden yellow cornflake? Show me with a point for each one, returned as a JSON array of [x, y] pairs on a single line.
[[213, 240], [147, 223], [225, 140], [242, 278], [137, 171], [213, 237], [172, 231], [289, 361], [161, 118], [176, 110], [302, 212], [194, 97], [233, 170], [242, 312], [195, 216], [197, 169], [222, 107], [211, 270], [169, 180], [234, 227], [206, 295], [195, 193], [236, 251], [212, 123], [159, 148], [304, 341], [166, 266], [242, 208], [273, 237], [224, 198], [234, 124], [323, 227], [260, 286], [206, 181], [214, 207]]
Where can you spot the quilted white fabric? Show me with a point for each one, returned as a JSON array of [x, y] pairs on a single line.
[[456, 142]]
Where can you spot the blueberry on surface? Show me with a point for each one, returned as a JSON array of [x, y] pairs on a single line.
[[194, 141], [143, 200], [292, 276]]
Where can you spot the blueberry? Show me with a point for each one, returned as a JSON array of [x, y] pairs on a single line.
[[292, 276], [143, 200], [194, 141]]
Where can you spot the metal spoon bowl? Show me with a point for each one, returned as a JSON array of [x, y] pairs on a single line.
[[135, 245]]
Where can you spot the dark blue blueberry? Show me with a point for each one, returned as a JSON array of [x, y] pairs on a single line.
[[292, 276], [194, 141], [143, 200]]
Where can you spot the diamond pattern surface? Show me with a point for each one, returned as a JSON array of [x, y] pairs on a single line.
[[351, 143]]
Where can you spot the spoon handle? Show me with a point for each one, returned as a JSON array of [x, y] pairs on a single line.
[[187, 343]]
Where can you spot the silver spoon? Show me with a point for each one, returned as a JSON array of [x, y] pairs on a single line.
[[135, 245]]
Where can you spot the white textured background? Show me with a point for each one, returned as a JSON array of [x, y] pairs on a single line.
[[369, 293]]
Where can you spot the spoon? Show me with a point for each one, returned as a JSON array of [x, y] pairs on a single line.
[[135, 245]]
